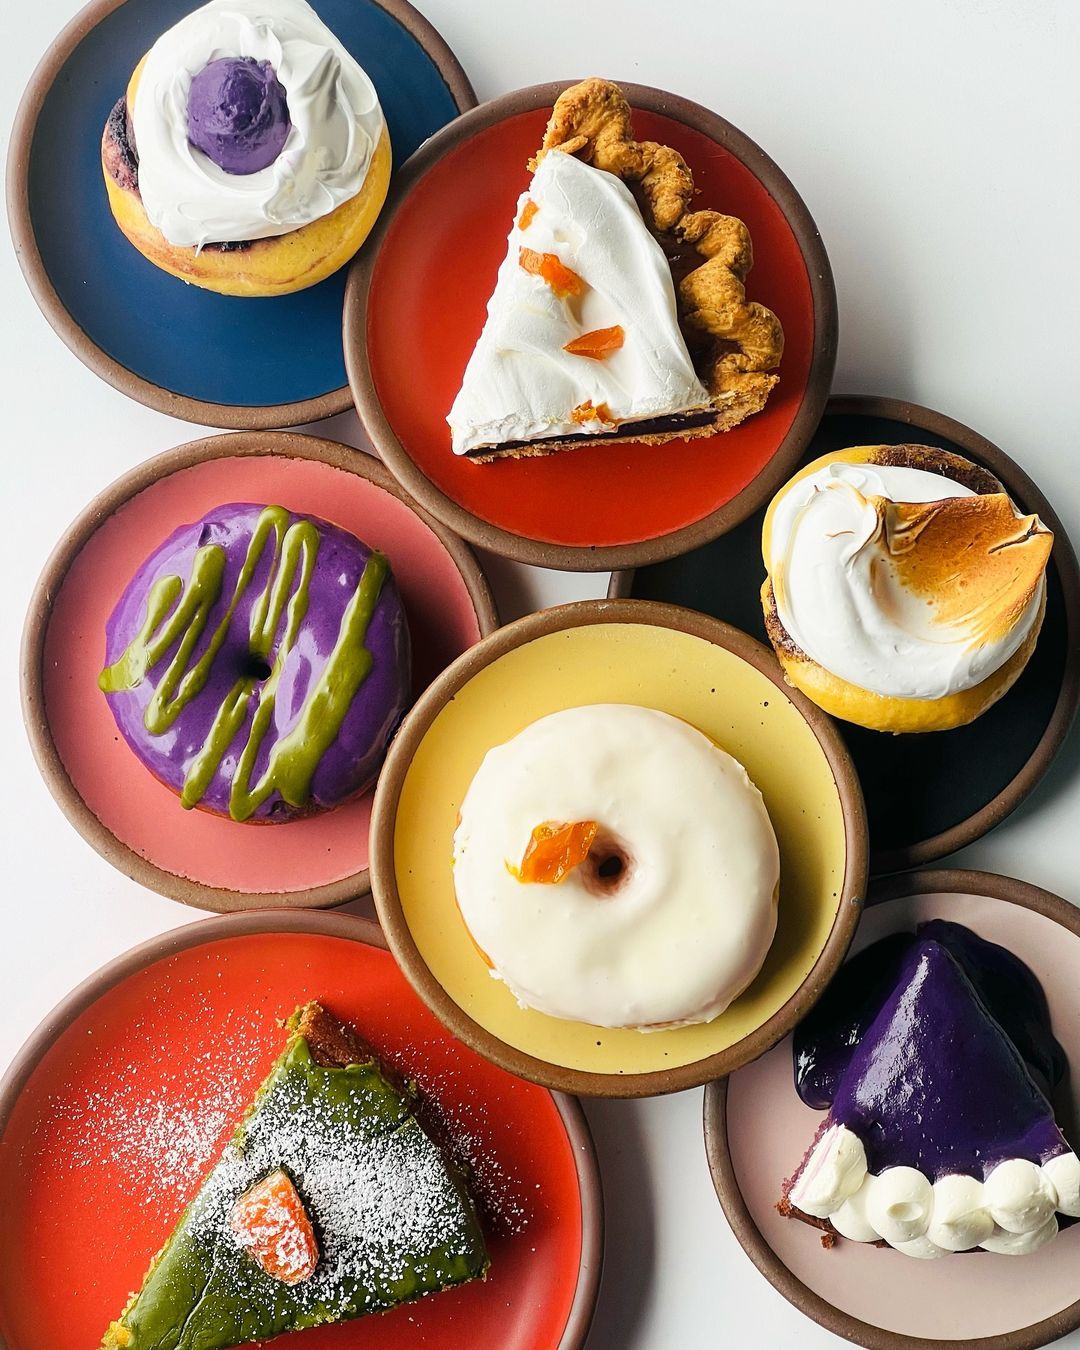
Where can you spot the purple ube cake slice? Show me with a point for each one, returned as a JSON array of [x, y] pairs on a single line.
[[933, 1055]]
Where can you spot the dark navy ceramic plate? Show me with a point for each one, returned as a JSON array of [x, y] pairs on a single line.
[[221, 360], [930, 794]]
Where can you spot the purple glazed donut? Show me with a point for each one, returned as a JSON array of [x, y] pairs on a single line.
[[259, 663]]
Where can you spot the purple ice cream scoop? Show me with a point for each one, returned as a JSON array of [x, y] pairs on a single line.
[[238, 114], [259, 663], [936, 1049]]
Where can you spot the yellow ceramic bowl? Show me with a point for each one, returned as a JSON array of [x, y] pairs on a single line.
[[291, 262], [849, 702], [658, 656]]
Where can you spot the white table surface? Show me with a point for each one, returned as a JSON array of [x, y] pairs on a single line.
[[936, 143]]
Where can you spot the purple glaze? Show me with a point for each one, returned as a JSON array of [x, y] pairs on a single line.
[[906, 1053], [352, 761], [238, 114]]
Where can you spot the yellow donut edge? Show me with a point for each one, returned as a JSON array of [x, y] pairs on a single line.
[[279, 266], [877, 712]]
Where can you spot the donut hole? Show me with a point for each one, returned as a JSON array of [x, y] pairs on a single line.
[[611, 867], [608, 866], [256, 667]]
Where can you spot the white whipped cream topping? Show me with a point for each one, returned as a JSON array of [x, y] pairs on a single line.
[[333, 106], [694, 913], [1011, 1212], [834, 1173], [520, 384], [1019, 1196], [900, 1204], [1021, 1244], [836, 601], [1063, 1174], [961, 1217]]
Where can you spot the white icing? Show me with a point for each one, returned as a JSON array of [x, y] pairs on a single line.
[[961, 1219], [1019, 1197], [520, 384], [333, 106], [835, 1172], [1021, 1244], [899, 1204], [838, 600], [1063, 1174], [695, 912], [1011, 1212]]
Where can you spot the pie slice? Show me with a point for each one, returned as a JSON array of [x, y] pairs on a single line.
[[618, 313], [328, 1203], [934, 1058]]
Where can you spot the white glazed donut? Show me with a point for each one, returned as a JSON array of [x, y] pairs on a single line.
[[669, 916]]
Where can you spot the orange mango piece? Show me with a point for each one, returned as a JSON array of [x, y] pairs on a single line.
[[270, 1222], [588, 412], [528, 214], [553, 851], [598, 344], [558, 276]]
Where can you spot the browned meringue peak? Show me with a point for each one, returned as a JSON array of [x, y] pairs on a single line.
[[976, 561]]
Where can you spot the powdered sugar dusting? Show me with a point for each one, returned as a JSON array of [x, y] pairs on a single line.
[[378, 1200]]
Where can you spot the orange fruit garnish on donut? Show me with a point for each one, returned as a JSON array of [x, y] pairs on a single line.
[[558, 276], [598, 344], [554, 851], [271, 1224]]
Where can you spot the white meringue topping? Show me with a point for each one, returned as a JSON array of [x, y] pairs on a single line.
[[333, 106], [838, 601], [520, 384]]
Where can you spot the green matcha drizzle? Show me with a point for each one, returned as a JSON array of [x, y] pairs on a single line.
[[174, 612]]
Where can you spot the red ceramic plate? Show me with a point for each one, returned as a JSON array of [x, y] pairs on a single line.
[[420, 306], [108, 794], [124, 1096]]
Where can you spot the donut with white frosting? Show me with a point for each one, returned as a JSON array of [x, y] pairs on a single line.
[[905, 590], [616, 867], [250, 154]]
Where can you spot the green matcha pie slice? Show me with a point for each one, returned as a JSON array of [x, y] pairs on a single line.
[[328, 1203]]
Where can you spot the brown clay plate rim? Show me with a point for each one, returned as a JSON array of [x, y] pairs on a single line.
[[948, 881], [388, 900], [228, 445], [519, 547], [353, 929], [1068, 700], [230, 415]]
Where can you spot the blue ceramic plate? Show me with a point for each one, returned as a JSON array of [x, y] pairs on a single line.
[[220, 360]]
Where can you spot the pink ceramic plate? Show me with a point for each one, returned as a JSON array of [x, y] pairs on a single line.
[[131, 818], [757, 1130]]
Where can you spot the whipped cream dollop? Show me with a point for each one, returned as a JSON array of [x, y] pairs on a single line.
[[520, 383], [333, 109], [1013, 1211], [683, 923], [841, 602]]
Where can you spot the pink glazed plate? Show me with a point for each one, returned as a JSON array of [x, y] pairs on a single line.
[[757, 1131], [109, 796]]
